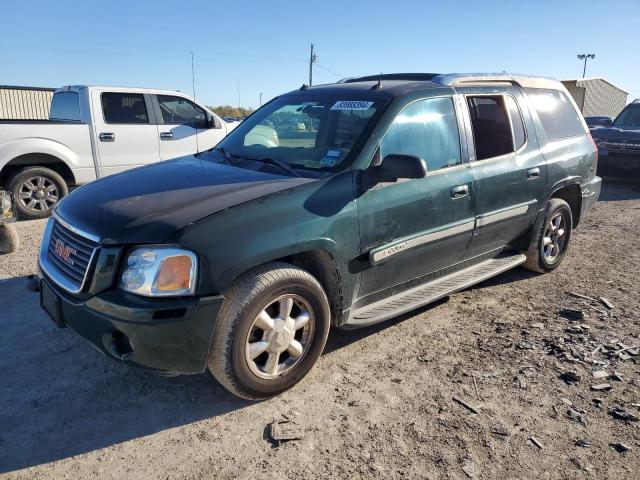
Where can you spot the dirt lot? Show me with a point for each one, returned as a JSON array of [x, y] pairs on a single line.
[[380, 402]]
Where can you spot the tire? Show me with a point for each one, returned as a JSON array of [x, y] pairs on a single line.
[[258, 294], [543, 258], [45, 187]]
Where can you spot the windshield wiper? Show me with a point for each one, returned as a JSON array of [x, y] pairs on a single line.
[[278, 163], [227, 156]]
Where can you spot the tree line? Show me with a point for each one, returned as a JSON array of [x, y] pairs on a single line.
[[229, 111]]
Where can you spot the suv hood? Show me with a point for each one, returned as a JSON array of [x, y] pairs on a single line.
[[148, 204], [616, 134]]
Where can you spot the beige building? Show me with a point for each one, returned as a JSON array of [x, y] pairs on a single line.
[[597, 96], [25, 103]]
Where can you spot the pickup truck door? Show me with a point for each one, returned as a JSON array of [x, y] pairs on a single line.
[[413, 228], [509, 172], [126, 136], [183, 127]]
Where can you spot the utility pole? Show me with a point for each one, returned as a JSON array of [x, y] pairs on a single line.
[[260, 98], [238, 85], [193, 78], [312, 60], [585, 57]]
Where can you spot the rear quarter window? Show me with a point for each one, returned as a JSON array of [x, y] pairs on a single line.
[[559, 117], [65, 106]]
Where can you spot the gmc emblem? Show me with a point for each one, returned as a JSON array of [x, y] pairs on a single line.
[[64, 251]]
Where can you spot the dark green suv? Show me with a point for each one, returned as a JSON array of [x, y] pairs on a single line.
[[343, 204]]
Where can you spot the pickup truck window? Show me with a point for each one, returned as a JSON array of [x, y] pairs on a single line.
[[426, 128], [180, 111], [124, 108], [558, 116], [65, 106]]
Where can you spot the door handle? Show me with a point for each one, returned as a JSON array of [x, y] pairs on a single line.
[[107, 137], [166, 136], [533, 173], [460, 191]]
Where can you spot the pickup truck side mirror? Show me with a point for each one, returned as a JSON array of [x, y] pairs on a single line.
[[213, 122], [395, 166]]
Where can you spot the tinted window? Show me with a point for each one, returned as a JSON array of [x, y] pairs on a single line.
[[124, 108], [178, 110], [65, 106], [629, 117], [519, 135], [428, 129], [491, 126], [558, 116]]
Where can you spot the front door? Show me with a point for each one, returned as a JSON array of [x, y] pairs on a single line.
[[126, 137], [508, 169], [412, 228], [179, 124]]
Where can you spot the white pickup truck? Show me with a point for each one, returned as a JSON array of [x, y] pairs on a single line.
[[97, 131]]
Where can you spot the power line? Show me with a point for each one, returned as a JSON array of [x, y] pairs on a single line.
[[331, 71]]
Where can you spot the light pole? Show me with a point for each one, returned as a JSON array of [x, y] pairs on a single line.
[[260, 98], [585, 57]]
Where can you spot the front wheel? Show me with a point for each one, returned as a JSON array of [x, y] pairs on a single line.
[[270, 331], [551, 237], [36, 191]]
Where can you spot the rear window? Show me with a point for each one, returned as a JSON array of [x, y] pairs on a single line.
[[65, 106], [124, 108], [557, 114]]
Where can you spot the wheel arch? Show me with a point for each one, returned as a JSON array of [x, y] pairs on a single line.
[[570, 192], [46, 160], [317, 260]]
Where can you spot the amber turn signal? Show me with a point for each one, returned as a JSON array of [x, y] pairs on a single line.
[[175, 274]]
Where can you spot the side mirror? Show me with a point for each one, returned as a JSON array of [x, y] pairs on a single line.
[[396, 166], [213, 122]]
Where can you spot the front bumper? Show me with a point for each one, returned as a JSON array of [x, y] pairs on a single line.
[[170, 336], [618, 163]]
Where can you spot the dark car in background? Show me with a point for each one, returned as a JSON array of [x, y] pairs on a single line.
[[595, 122], [619, 144]]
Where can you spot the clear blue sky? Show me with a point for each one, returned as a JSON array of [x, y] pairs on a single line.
[[265, 44]]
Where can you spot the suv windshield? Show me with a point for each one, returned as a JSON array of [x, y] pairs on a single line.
[[629, 117], [316, 132]]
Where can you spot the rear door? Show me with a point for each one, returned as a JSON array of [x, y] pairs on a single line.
[[509, 172], [179, 122], [413, 228], [126, 135]]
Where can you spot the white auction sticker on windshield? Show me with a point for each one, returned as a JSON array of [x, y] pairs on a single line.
[[351, 105]]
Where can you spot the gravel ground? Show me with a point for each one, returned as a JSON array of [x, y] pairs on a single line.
[[379, 404]]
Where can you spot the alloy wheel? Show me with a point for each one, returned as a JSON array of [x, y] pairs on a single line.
[[280, 336]]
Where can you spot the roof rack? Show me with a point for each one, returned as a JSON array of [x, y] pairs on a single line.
[[418, 77], [463, 79]]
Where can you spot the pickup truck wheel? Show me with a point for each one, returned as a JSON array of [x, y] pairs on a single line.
[[270, 331], [550, 238], [36, 191]]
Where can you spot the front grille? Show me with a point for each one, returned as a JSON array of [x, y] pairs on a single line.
[[70, 253]]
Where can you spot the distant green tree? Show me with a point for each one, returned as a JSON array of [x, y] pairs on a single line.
[[229, 111]]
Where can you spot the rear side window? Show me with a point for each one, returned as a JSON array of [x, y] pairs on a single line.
[[65, 106], [491, 126], [557, 114], [428, 129], [124, 108]]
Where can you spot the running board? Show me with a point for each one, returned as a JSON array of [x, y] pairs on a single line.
[[430, 292]]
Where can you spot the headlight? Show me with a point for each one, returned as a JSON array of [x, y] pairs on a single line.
[[160, 272]]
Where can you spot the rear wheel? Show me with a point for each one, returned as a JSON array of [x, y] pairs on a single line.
[[551, 237], [36, 191], [270, 331]]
